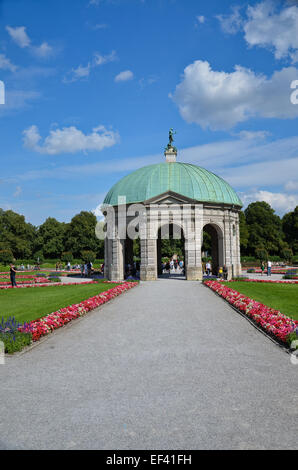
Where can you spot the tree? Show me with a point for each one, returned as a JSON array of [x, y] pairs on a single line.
[[287, 254], [80, 234], [290, 229], [6, 257], [16, 234], [261, 253], [244, 233], [264, 228], [38, 257], [50, 237], [67, 256], [88, 255]]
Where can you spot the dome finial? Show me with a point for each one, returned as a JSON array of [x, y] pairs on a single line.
[[171, 150]]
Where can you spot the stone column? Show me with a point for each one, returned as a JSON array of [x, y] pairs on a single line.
[[148, 260], [228, 243], [237, 247], [193, 224], [117, 265], [106, 259]]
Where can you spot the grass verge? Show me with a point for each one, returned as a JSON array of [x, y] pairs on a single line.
[[282, 297]]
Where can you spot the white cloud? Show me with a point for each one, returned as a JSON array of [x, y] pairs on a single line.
[[291, 186], [232, 23], [104, 59], [17, 99], [100, 26], [281, 202], [79, 73], [124, 76], [19, 36], [82, 72], [6, 64], [69, 140], [253, 135], [266, 25], [200, 19], [44, 50], [220, 100], [18, 191], [143, 82]]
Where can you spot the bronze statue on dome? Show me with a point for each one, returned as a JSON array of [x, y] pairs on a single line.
[[171, 140]]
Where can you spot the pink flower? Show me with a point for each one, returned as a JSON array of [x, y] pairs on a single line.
[[55, 320], [271, 320]]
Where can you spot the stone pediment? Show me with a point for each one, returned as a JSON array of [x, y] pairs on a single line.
[[169, 198]]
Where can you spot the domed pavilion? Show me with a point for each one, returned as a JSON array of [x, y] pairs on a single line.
[[173, 199]]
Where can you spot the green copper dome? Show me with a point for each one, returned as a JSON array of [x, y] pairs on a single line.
[[185, 179]]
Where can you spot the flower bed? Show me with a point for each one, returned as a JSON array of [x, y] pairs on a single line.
[[270, 320], [265, 280], [55, 284], [47, 324], [39, 280]]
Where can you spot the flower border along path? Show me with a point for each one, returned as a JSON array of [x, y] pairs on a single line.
[[53, 284], [274, 281], [272, 322], [61, 317]]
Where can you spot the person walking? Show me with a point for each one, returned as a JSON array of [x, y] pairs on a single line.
[[262, 268], [13, 275], [85, 270], [225, 272], [208, 268], [269, 265], [89, 267]]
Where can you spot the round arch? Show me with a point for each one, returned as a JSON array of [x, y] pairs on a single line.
[[217, 245]]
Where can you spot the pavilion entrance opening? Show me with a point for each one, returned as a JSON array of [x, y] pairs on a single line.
[[171, 252], [212, 248]]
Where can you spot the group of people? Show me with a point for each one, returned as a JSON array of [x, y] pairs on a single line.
[[86, 269], [269, 267], [221, 272], [173, 265]]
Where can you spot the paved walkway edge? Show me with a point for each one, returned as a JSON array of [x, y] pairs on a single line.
[[68, 325], [280, 345]]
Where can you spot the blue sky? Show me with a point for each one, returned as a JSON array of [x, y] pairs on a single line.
[[92, 88]]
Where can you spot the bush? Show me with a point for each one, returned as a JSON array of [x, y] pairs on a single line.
[[248, 259], [292, 271], [16, 342], [13, 339]]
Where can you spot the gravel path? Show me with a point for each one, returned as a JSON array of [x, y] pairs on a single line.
[[167, 365]]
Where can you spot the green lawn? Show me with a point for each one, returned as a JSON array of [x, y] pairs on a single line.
[[31, 303], [282, 297]]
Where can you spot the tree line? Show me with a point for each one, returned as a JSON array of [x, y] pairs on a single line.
[[51, 240], [262, 233]]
